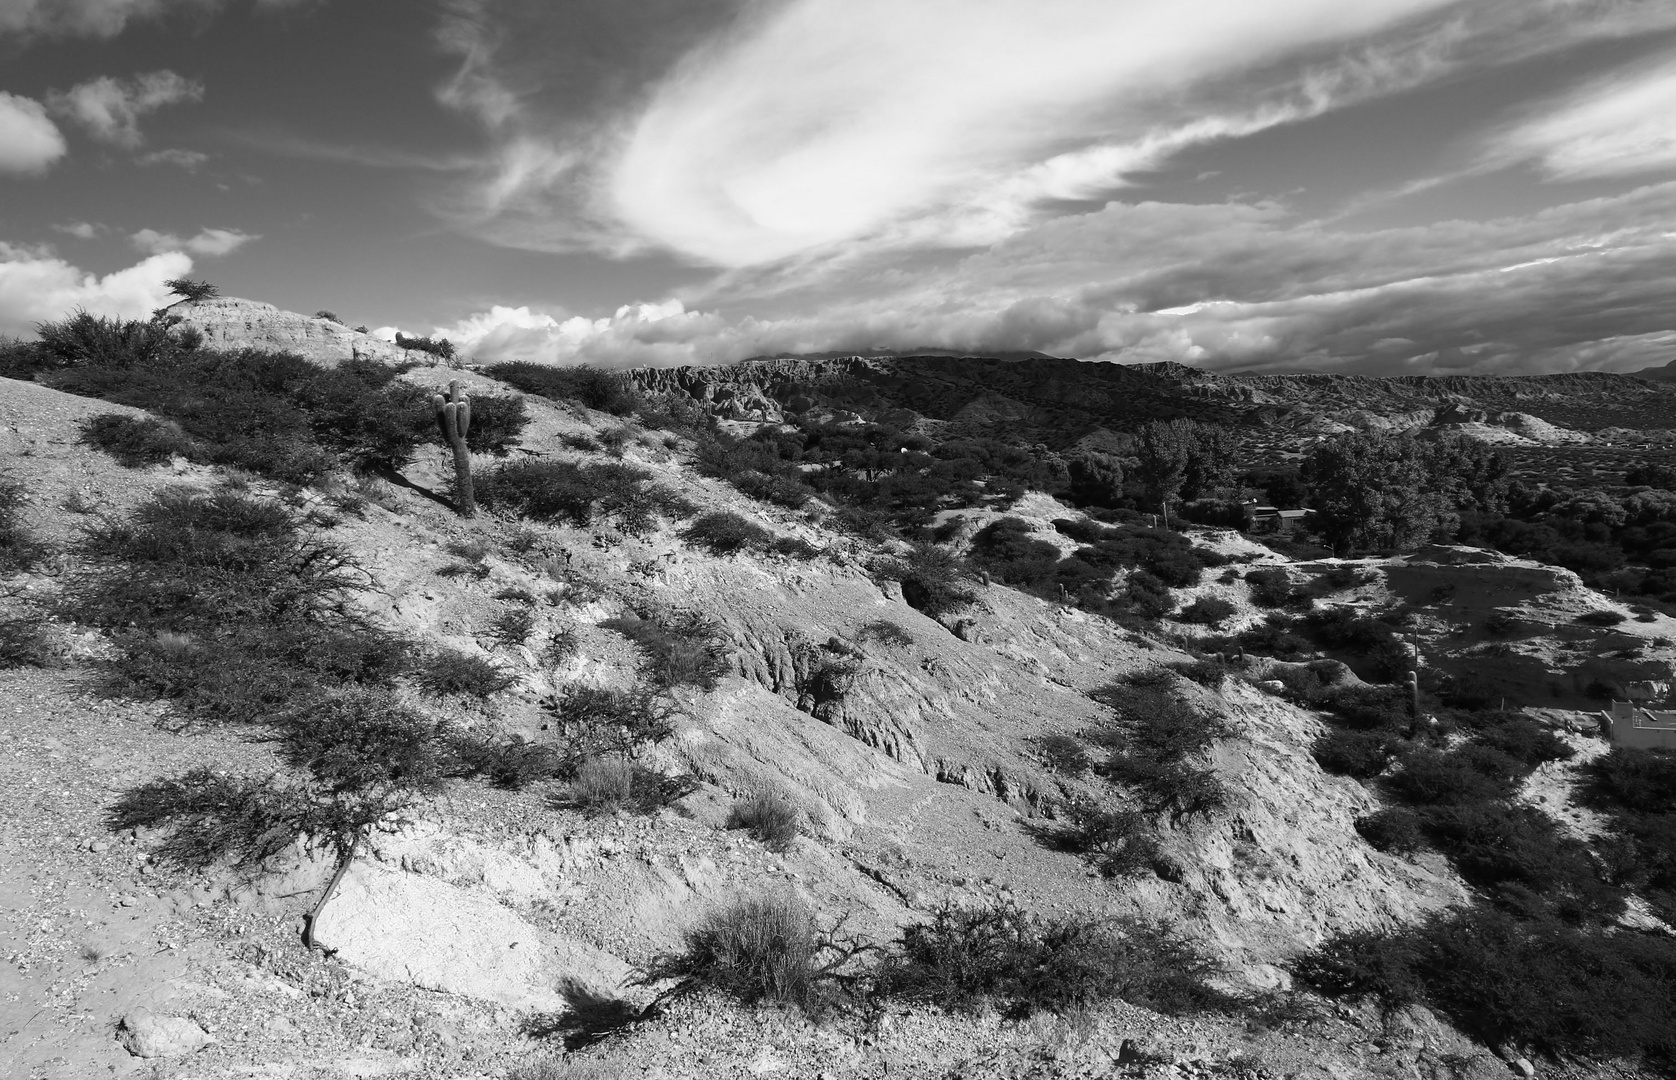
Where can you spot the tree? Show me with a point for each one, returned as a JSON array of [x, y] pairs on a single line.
[[190, 291], [1096, 480], [1210, 461], [1163, 450], [1370, 489]]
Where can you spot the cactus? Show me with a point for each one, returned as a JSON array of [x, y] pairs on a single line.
[[453, 416]]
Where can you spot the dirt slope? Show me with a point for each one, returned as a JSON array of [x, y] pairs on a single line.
[[479, 911]]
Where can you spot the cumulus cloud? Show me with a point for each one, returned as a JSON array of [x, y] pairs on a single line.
[[36, 286], [1615, 126], [208, 242], [110, 109], [29, 141]]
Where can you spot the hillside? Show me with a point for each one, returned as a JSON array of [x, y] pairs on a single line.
[[930, 763], [1064, 399]]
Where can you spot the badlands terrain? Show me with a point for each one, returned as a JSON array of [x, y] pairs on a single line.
[[487, 929]]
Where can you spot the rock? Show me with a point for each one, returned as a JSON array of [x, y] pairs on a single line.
[[408, 928], [148, 1035], [228, 322], [1523, 1067]]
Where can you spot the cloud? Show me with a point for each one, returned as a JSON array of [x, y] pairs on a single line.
[[1616, 126], [190, 160], [99, 18], [817, 129], [208, 242], [36, 287], [29, 141], [110, 109], [1219, 286], [81, 230]]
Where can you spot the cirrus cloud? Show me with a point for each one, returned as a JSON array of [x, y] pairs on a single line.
[[1620, 125], [110, 109]]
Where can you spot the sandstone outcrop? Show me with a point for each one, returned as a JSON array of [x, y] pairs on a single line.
[[228, 322]]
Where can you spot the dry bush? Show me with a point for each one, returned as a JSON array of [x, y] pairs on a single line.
[[970, 958], [613, 782], [136, 441], [448, 671], [678, 649], [761, 948], [771, 818]]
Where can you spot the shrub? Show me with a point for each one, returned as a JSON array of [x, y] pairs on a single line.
[[1640, 780], [225, 606], [612, 782], [761, 948], [562, 644], [1063, 754], [1182, 790], [497, 421], [1271, 588], [1556, 988], [885, 633], [1520, 859], [84, 339], [1358, 754], [360, 739], [23, 643], [769, 816], [933, 581], [1524, 740], [509, 763], [1435, 778], [591, 722], [1207, 611], [513, 627], [448, 671], [683, 649], [1148, 596], [1156, 723], [1601, 617], [19, 550], [723, 533], [1207, 671], [1395, 831], [136, 442], [604, 391], [210, 816], [577, 494], [439, 347], [1118, 842], [967, 958]]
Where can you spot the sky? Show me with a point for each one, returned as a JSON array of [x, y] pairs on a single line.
[[1383, 187]]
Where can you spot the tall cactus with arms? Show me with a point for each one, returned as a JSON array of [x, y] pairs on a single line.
[[453, 416]]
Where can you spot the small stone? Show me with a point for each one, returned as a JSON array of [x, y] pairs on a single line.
[[148, 1035], [1523, 1067]]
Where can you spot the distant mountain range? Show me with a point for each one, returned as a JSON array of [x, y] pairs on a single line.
[[1060, 401]]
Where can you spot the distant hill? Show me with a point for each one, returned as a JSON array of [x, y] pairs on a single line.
[[1666, 373], [1060, 401], [1009, 355]]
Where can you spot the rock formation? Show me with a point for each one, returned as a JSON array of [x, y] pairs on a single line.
[[228, 322]]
